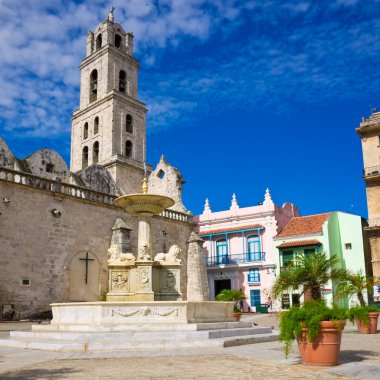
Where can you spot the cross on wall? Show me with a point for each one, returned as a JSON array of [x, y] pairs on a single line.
[[87, 260]]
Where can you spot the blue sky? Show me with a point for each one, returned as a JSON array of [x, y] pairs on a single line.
[[242, 95]]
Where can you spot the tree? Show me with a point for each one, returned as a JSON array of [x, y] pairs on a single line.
[[354, 283], [312, 272]]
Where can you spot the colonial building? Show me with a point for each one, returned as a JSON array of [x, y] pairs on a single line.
[[334, 233], [239, 247], [56, 223], [369, 132]]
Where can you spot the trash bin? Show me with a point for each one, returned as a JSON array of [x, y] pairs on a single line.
[[263, 308]]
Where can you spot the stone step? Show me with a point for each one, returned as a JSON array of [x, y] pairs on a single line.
[[251, 339], [140, 327], [43, 345], [137, 335]]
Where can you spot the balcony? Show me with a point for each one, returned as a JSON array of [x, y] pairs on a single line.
[[371, 171], [231, 260]]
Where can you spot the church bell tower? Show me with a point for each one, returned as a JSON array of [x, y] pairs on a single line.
[[109, 128]]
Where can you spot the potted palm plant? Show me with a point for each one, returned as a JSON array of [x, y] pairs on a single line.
[[316, 327], [356, 284], [229, 295]]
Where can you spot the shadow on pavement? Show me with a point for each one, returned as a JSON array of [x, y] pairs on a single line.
[[347, 356], [33, 374]]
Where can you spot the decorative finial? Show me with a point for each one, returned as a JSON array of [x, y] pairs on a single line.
[[267, 198], [234, 203], [145, 186], [207, 206], [162, 159], [110, 14]]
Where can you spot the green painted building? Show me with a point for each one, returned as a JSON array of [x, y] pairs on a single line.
[[335, 233]]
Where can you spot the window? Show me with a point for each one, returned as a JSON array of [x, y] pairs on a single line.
[[378, 141], [128, 148], [85, 131], [85, 157], [348, 246], [117, 41], [161, 174], [253, 243], [287, 257], [221, 252], [96, 125], [49, 168], [98, 42], [255, 297], [122, 80], [25, 282], [93, 85], [309, 251], [254, 275], [128, 123], [95, 152]]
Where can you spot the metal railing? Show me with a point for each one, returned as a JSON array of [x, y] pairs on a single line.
[[56, 186], [254, 257], [371, 171]]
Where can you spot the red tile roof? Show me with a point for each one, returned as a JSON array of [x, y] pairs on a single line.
[[299, 243], [304, 225], [229, 229]]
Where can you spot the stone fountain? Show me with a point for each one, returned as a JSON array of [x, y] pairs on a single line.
[[144, 309], [140, 277]]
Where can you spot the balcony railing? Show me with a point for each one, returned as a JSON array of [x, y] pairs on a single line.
[[371, 171], [374, 222], [236, 259]]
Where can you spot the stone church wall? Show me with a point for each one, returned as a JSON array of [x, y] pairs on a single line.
[[39, 245]]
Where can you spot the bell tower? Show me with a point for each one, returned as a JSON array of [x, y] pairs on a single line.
[[109, 128]]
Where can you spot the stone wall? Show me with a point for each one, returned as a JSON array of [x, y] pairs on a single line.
[[44, 248]]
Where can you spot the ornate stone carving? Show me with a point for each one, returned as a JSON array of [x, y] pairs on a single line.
[[144, 276], [119, 280], [170, 281], [116, 256], [172, 257], [144, 252], [146, 311]]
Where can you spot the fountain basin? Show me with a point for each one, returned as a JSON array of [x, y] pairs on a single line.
[[144, 313], [152, 204]]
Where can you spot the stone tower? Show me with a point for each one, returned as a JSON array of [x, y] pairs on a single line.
[[369, 131], [109, 128]]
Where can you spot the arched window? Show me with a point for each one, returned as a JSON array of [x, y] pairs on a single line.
[[128, 148], [122, 80], [96, 125], [254, 252], [85, 131], [85, 157], [99, 42], [128, 123], [95, 152], [117, 41], [221, 252], [93, 85]]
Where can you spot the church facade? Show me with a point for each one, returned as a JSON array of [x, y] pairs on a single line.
[[56, 222]]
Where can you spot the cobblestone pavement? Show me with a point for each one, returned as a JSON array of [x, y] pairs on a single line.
[[360, 359]]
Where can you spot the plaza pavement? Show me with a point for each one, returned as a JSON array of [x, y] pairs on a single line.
[[360, 359]]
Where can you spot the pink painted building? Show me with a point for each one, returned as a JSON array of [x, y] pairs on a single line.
[[239, 248]]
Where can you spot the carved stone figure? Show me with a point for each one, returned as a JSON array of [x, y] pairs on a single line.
[[144, 252], [171, 257], [116, 256], [120, 244]]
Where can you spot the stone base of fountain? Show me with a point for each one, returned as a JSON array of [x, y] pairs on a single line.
[[122, 314]]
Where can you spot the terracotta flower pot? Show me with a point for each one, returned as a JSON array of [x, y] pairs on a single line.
[[325, 348], [371, 328], [236, 317]]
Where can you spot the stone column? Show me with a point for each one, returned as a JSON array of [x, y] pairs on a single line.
[[144, 239], [197, 284]]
